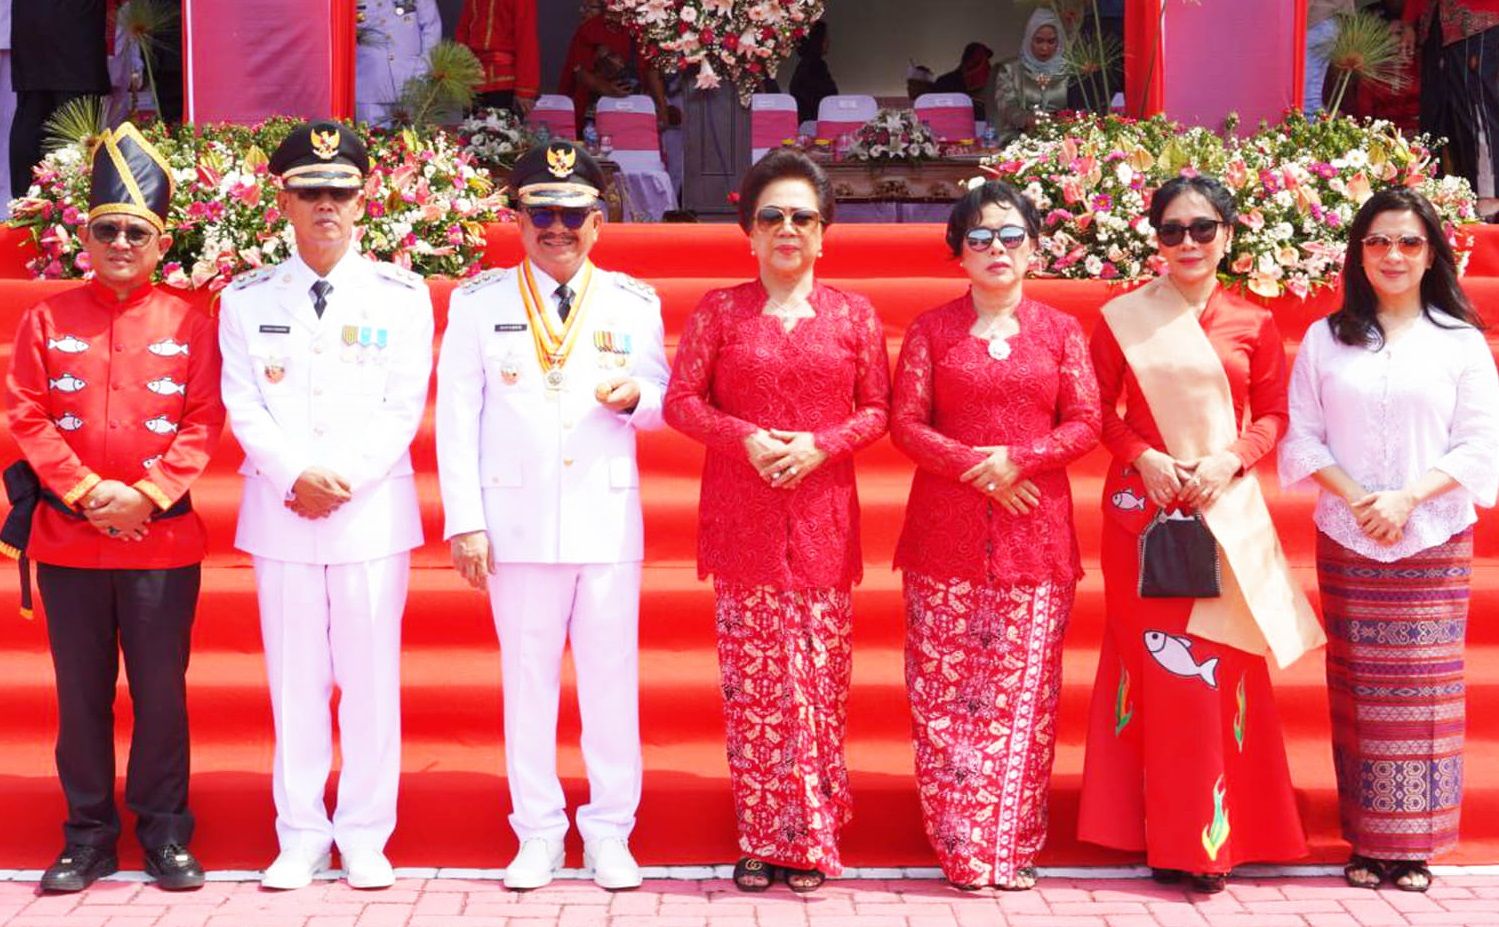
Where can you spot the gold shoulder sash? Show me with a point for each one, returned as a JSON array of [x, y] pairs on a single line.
[[1262, 607]]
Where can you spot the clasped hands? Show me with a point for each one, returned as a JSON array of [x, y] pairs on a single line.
[[318, 493], [998, 477], [783, 458], [1194, 484], [1382, 515], [118, 510]]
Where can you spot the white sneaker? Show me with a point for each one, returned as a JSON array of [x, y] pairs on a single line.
[[293, 869], [368, 868], [534, 865], [613, 866]]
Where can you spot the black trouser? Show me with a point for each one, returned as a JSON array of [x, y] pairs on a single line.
[[1460, 98], [93, 615], [32, 109], [497, 99]]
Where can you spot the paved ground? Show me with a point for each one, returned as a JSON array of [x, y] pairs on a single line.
[[1321, 901]]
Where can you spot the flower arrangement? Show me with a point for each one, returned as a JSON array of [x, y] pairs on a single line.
[[495, 139], [893, 135], [742, 41], [426, 204], [1296, 186]]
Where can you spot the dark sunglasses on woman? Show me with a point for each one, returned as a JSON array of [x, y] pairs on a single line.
[[771, 216], [1378, 245], [572, 217], [109, 232], [1203, 231], [336, 194], [981, 238]]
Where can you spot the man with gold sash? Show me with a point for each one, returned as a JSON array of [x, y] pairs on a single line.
[[1185, 759], [547, 371]]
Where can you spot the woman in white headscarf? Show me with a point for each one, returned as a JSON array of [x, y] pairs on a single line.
[[1034, 82]]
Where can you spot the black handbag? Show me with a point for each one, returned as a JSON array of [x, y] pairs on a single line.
[[1179, 558]]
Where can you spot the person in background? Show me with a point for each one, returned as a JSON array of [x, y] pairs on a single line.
[[1321, 33], [7, 108], [971, 76], [113, 398], [326, 361], [812, 80], [1366, 99], [502, 33], [1458, 45], [541, 496], [994, 396], [1036, 82], [919, 80], [394, 39], [57, 55], [1185, 760], [602, 62], [1395, 417], [782, 379]]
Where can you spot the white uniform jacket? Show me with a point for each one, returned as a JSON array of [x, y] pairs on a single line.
[[394, 37], [551, 474], [346, 392]]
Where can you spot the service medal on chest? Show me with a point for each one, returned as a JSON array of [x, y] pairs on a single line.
[[275, 371], [555, 378]]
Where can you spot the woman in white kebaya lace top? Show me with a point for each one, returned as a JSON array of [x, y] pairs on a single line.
[[1394, 406]]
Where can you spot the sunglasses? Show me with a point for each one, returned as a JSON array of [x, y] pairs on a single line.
[[980, 238], [772, 216], [1377, 246], [108, 233], [572, 218], [1203, 231], [336, 194]]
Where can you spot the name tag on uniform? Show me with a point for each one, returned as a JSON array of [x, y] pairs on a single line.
[[275, 329], [510, 327]]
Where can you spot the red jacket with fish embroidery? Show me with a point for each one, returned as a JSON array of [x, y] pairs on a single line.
[[103, 388]]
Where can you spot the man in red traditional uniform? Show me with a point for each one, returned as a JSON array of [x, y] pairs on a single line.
[[502, 33], [113, 397]]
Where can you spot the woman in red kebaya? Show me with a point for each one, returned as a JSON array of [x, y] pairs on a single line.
[[783, 378], [994, 396], [1185, 760]]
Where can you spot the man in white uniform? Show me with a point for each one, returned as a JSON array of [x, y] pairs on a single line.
[[327, 358], [547, 372], [394, 39]]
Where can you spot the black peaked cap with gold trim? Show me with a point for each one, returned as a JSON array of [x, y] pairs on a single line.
[[130, 176], [560, 173], [321, 154]]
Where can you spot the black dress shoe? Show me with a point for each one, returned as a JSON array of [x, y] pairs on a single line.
[[78, 867], [174, 868]]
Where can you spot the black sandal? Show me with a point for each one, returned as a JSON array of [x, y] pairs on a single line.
[[1373, 872], [802, 881], [1018, 884], [1408, 868], [1209, 883], [753, 875]]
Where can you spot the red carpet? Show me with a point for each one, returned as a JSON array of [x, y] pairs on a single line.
[[453, 798]]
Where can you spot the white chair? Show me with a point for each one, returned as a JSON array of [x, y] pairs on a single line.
[[628, 124], [556, 112], [948, 115], [772, 121], [843, 114]]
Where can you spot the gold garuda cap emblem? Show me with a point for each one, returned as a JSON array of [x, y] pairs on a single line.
[[560, 161], [325, 144]]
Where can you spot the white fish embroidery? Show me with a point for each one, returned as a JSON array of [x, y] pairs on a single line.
[[70, 422], [1125, 500], [150, 462], [166, 386], [67, 383], [67, 344], [1174, 653], [161, 425], [167, 348]]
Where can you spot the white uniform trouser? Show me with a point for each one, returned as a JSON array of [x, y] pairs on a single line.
[[538, 608], [326, 625]]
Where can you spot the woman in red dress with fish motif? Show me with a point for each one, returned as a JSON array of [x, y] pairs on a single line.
[[783, 379], [1185, 760], [994, 396]]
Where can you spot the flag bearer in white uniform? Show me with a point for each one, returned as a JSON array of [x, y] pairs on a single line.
[[325, 378], [546, 373]]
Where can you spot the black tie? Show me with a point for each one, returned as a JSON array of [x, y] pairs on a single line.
[[320, 291], [564, 302]]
